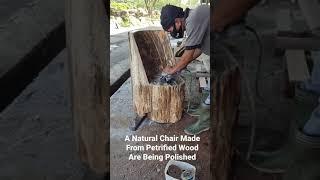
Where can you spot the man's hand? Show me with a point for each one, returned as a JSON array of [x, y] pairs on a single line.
[[186, 58], [168, 70]]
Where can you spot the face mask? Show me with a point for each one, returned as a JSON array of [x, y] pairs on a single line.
[[177, 34]]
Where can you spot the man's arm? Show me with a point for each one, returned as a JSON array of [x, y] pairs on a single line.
[[226, 12], [185, 59], [197, 53]]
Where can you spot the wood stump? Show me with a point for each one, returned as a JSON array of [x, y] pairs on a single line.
[[86, 39], [226, 100], [150, 53]]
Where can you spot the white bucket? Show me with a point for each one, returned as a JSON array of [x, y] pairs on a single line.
[[183, 166]]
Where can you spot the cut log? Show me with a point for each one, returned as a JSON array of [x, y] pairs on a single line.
[[86, 30], [150, 53], [224, 110]]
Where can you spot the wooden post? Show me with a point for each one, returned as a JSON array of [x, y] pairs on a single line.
[[86, 30], [226, 100]]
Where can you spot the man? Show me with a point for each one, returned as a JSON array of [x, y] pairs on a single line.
[[300, 157], [196, 23]]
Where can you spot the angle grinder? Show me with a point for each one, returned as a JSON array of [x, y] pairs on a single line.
[[166, 78]]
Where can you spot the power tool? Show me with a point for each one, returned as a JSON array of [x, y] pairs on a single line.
[[166, 78]]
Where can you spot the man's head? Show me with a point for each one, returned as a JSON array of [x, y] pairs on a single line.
[[172, 20]]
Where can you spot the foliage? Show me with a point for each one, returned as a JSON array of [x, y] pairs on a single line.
[[157, 4], [136, 3], [162, 3], [150, 5], [117, 7], [125, 22], [121, 7]]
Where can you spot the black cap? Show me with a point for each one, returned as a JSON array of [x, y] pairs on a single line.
[[168, 15]]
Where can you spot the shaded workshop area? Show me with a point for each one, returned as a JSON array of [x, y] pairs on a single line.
[[44, 135]]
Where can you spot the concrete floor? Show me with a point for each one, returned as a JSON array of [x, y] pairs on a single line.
[[119, 54], [23, 24], [36, 136], [9, 7]]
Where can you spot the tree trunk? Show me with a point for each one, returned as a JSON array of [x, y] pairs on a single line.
[[86, 29], [226, 91], [150, 53]]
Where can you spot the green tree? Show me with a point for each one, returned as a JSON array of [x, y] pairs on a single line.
[[162, 3], [117, 7], [150, 5], [180, 3]]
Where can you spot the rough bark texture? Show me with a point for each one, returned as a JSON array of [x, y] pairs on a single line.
[[150, 52], [226, 90], [86, 41]]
